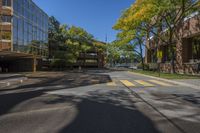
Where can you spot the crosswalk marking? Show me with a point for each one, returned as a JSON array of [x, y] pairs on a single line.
[[149, 83], [127, 83], [159, 83], [144, 83], [111, 84]]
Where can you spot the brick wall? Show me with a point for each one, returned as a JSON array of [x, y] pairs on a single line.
[[188, 29]]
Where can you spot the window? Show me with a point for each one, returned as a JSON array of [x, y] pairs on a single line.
[[6, 36], [167, 53], [6, 18], [6, 2], [196, 48]]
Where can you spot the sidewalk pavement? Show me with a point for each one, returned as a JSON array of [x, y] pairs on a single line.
[[11, 79], [191, 83], [195, 82]]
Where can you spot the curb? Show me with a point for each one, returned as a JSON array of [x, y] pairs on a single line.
[[170, 81]]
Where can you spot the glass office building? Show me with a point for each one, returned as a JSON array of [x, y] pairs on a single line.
[[23, 36], [30, 28]]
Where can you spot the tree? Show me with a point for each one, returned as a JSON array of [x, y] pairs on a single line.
[[151, 16], [135, 39], [68, 43], [118, 53], [54, 26]]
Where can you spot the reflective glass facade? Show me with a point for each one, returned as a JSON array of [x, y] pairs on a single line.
[[6, 2], [30, 28]]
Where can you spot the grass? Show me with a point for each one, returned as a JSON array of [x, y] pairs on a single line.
[[166, 75]]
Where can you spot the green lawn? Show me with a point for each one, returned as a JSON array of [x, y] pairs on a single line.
[[167, 75]]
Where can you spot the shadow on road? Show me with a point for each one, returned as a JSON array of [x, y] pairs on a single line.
[[15, 96], [110, 112], [192, 98]]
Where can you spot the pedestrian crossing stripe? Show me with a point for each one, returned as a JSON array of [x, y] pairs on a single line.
[[127, 83], [144, 83], [159, 83], [111, 84]]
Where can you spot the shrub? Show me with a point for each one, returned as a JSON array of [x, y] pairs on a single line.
[[153, 66], [58, 63], [146, 66]]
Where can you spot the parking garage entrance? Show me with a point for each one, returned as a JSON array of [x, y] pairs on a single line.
[[19, 62]]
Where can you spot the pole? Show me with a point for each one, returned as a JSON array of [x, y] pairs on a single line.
[[159, 69], [34, 64]]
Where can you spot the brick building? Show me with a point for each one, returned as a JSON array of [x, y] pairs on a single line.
[[23, 35], [187, 48]]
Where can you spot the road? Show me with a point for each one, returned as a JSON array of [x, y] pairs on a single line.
[[98, 102]]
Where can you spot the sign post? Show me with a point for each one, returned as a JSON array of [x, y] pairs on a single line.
[[159, 57]]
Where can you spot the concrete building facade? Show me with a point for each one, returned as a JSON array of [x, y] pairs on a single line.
[[186, 47], [23, 35]]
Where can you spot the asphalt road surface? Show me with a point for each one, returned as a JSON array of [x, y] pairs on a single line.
[[98, 102]]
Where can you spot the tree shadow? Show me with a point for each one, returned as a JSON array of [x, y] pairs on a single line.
[[12, 97], [68, 80], [192, 98], [110, 112], [8, 101]]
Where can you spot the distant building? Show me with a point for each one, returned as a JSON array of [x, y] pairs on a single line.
[[94, 58], [187, 48], [23, 35]]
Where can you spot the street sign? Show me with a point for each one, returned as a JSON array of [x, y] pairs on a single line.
[[159, 54]]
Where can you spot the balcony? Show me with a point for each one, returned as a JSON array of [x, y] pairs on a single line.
[[88, 56], [5, 45], [5, 23], [7, 7], [6, 41]]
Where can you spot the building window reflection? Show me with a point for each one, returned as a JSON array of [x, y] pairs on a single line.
[[6, 2], [30, 27], [6, 18]]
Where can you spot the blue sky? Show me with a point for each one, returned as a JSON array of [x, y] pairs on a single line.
[[96, 16]]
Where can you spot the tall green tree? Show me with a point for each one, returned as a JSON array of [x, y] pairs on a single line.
[[119, 53], [66, 43], [150, 16]]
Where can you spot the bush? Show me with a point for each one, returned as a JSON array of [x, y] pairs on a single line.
[[58, 63], [153, 66], [146, 66]]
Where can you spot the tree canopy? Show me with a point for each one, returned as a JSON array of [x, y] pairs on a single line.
[[145, 18], [67, 42]]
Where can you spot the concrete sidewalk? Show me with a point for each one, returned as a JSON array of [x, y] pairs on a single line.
[[192, 83], [195, 82], [11, 79]]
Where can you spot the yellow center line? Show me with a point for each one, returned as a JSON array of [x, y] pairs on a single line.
[[144, 83], [160, 83], [127, 83]]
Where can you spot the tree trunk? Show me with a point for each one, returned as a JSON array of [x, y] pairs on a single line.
[[141, 56]]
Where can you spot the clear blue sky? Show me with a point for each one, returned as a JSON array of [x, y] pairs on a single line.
[[96, 16]]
